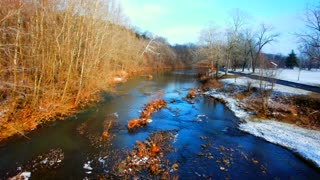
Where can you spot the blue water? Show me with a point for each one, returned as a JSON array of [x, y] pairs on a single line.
[[208, 143]]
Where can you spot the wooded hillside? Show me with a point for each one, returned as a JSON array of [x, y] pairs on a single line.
[[56, 54]]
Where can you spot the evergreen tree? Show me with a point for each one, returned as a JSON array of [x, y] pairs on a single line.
[[291, 60]]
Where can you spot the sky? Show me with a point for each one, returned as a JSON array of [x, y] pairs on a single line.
[[180, 21]]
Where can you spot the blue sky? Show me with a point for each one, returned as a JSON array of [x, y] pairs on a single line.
[[180, 21]]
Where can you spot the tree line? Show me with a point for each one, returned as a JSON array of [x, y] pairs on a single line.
[[56, 54], [240, 44], [310, 38]]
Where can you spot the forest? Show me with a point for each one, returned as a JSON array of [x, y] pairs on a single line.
[[57, 55]]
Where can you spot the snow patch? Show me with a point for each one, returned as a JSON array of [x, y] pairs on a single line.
[[87, 166], [25, 175], [302, 141]]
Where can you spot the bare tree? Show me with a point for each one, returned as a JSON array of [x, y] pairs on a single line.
[[311, 55], [263, 37], [212, 46], [310, 38], [247, 48], [238, 21]]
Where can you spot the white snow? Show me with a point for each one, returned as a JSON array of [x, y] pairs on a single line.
[[25, 175], [243, 81], [302, 141], [87, 166], [311, 77]]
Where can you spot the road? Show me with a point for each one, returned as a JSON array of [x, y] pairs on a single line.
[[282, 82]]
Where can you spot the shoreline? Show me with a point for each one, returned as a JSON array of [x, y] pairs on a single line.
[[301, 141], [30, 119]]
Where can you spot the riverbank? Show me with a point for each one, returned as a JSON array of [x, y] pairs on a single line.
[[51, 73], [28, 118], [284, 123]]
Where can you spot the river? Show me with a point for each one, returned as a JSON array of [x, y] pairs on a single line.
[[207, 143]]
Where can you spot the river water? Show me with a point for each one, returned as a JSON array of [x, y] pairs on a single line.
[[207, 143]]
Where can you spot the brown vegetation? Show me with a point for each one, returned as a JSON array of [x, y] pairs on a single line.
[[151, 107], [106, 128], [192, 93], [202, 76], [211, 83], [302, 110], [207, 79], [136, 122], [145, 114], [57, 55], [148, 155]]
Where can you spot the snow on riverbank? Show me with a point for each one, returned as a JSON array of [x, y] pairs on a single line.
[[231, 103], [302, 141]]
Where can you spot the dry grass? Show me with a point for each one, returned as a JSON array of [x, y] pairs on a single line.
[[213, 83], [302, 110], [228, 76]]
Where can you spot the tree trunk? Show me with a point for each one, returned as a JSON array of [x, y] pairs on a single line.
[[227, 66], [15, 62], [244, 65], [217, 69]]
